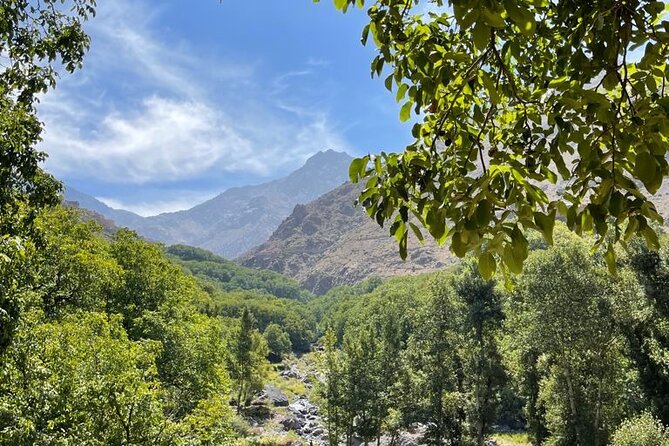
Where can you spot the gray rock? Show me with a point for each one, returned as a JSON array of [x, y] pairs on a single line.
[[292, 423], [275, 396], [258, 411]]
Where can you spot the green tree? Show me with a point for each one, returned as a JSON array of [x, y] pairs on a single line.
[[511, 95], [74, 265], [564, 313], [247, 363], [35, 40], [362, 381], [80, 381], [484, 373], [648, 331], [278, 341], [332, 389], [643, 430], [436, 366]]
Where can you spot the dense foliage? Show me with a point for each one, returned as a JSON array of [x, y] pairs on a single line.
[[271, 298], [112, 349], [567, 355], [230, 276], [510, 96], [35, 40]]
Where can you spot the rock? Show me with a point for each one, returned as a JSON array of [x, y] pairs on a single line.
[[291, 423], [258, 411], [294, 373], [275, 396]]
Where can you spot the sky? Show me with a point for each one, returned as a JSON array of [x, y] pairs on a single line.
[[179, 100]]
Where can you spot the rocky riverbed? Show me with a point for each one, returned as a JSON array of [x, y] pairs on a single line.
[[296, 419]]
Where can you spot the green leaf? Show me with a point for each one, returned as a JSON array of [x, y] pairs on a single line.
[[416, 230], [481, 35], [651, 238], [522, 17], [484, 213], [389, 83], [545, 223], [405, 112], [610, 257], [493, 18], [610, 81], [510, 260], [647, 170], [401, 92], [404, 246], [357, 169], [341, 4], [487, 265], [490, 86], [458, 246], [436, 224]]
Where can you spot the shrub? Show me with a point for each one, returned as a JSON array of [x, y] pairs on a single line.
[[643, 430]]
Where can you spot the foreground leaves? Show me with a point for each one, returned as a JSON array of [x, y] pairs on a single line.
[[512, 96]]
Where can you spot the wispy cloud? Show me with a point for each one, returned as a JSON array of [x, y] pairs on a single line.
[[282, 82], [147, 209], [164, 140], [148, 111]]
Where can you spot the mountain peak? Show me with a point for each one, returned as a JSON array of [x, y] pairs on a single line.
[[328, 156]]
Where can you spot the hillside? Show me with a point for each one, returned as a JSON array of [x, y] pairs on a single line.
[[120, 217], [230, 276], [239, 218], [330, 242]]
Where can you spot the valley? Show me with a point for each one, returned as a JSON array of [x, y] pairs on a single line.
[[490, 269]]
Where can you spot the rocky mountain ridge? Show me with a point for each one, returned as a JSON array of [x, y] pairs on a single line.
[[331, 242], [238, 219]]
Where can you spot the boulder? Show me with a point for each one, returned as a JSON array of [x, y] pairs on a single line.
[[275, 396], [291, 423], [258, 412]]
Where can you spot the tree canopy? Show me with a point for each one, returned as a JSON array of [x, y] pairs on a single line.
[[36, 38], [509, 96]]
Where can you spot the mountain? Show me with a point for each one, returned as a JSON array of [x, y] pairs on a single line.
[[244, 217], [108, 226], [239, 218], [118, 216], [330, 242]]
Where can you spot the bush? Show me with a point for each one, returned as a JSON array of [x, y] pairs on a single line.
[[644, 430], [278, 342]]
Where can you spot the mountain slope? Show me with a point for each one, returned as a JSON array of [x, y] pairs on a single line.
[[244, 217], [120, 217], [230, 276], [239, 218], [331, 242]]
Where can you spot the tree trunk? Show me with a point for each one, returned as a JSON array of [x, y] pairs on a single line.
[[598, 411], [572, 405]]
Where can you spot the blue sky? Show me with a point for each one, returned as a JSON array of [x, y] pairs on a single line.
[[178, 101]]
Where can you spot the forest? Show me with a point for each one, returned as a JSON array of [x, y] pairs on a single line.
[[124, 342]]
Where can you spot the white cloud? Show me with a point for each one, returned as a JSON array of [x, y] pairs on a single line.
[[179, 127], [163, 140], [148, 209]]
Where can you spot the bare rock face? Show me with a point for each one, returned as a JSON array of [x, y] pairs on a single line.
[[330, 242]]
